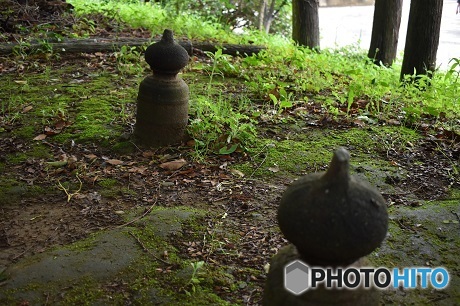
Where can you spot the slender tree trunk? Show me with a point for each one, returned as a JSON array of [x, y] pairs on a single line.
[[263, 5], [422, 38], [269, 16], [385, 31], [305, 23]]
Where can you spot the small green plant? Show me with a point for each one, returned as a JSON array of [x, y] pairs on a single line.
[[49, 114], [84, 27], [195, 279], [453, 73], [21, 49], [220, 65], [220, 127], [284, 101], [45, 46], [129, 60]]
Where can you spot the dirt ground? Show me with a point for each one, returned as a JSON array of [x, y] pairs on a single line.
[[240, 227], [33, 221]]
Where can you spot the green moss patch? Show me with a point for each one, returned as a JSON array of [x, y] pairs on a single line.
[[423, 236], [311, 151], [95, 111], [12, 190]]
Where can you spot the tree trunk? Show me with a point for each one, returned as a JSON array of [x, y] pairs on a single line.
[[268, 13], [269, 16], [305, 23], [385, 31], [109, 45], [263, 5], [422, 37]]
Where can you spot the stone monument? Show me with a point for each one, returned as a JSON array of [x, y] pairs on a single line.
[[162, 102], [332, 220]]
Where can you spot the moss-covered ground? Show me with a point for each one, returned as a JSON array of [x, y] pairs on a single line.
[[203, 234]]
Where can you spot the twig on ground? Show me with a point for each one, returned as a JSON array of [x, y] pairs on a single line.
[[141, 216], [20, 255], [136, 146], [248, 300], [260, 165], [70, 195], [267, 146], [148, 251]]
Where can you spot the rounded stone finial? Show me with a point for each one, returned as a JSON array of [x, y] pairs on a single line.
[[166, 56], [333, 218]]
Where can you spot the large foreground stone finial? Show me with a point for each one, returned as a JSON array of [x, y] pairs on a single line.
[[333, 218], [162, 102]]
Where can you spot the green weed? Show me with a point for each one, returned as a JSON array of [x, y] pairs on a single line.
[[221, 65], [219, 127], [195, 279], [129, 60], [22, 48]]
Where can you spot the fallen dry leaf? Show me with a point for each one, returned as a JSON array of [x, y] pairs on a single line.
[[114, 162], [173, 165], [237, 172], [147, 154], [27, 109], [359, 123], [90, 156], [61, 124], [191, 143], [50, 131], [140, 170], [40, 137]]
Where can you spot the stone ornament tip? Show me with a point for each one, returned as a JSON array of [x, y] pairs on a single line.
[[339, 166], [168, 36], [166, 57], [341, 154]]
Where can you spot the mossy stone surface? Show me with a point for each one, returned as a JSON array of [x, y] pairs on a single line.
[[79, 269]]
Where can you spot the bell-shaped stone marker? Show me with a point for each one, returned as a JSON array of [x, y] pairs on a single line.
[[162, 102], [333, 220]]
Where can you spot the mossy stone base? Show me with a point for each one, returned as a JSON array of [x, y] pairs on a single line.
[[276, 295]]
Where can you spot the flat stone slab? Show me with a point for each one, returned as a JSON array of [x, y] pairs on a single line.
[[109, 253], [99, 257], [112, 251], [425, 236]]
